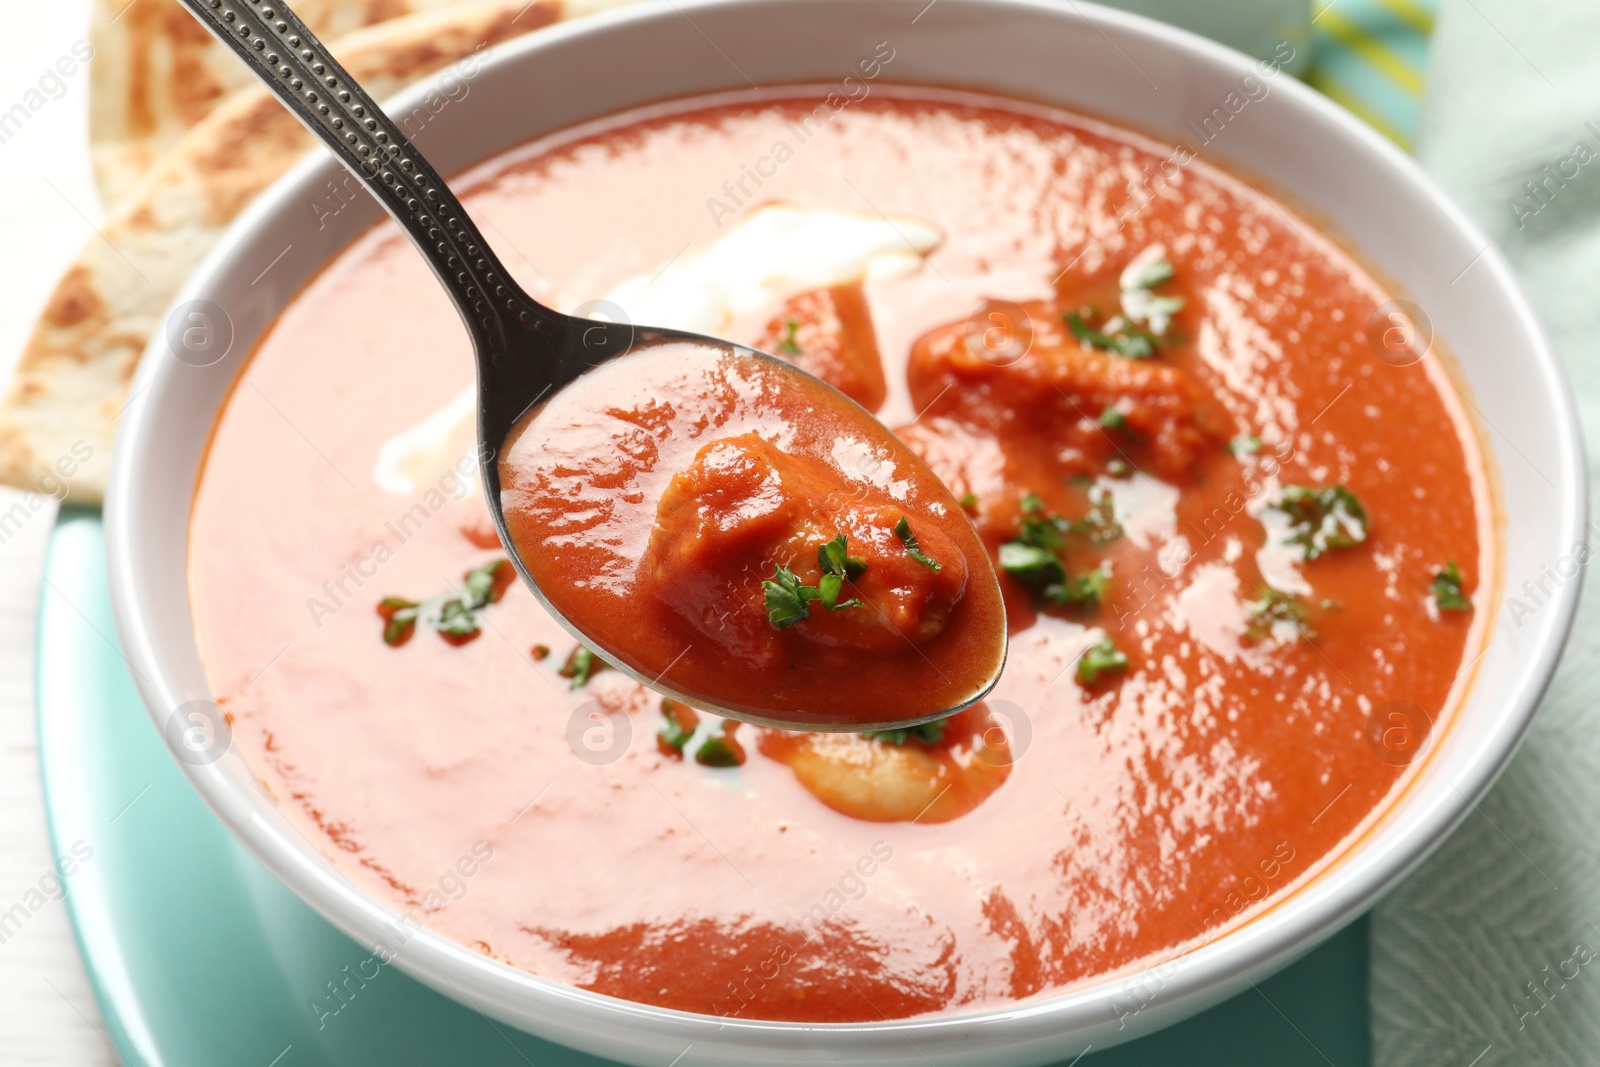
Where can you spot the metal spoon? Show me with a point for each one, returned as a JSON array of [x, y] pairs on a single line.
[[525, 351]]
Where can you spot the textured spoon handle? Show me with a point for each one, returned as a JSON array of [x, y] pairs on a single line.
[[285, 55]]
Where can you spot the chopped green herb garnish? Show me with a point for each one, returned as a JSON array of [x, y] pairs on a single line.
[[1100, 659], [902, 530], [1134, 342], [1031, 564], [487, 584], [1038, 527], [969, 501], [788, 601], [582, 665], [1140, 304], [716, 752], [1077, 323], [838, 565], [834, 557], [1147, 274], [1323, 517], [681, 724], [1118, 335], [1247, 445], [1275, 607], [1085, 590], [457, 621], [454, 618], [829, 586], [789, 346], [1115, 420], [1034, 559], [1033, 556], [721, 751], [399, 620], [929, 733], [1139, 330], [1446, 589]]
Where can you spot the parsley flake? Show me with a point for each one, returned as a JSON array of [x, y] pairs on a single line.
[[1146, 273], [582, 665], [1099, 659], [1139, 279], [1031, 564], [1140, 305], [838, 566], [902, 530], [1033, 556], [788, 601], [721, 751], [929, 733], [1322, 517], [1039, 528], [487, 584], [830, 586], [1117, 335], [1146, 316], [1274, 607], [399, 619], [1247, 445], [1446, 590], [834, 558], [789, 346], [456, 621], [681, 724], [1086, 590]]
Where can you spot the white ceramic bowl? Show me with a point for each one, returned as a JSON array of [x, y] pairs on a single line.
[[1128, 69]]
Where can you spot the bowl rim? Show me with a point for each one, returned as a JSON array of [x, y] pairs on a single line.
[[1215, 969]]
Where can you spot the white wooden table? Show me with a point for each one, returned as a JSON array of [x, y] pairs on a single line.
[[48, 209]]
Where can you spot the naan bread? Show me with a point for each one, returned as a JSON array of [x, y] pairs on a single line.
[[58, 420], [157, 72]]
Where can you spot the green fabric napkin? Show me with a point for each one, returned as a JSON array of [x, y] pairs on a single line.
[[1487, 955]]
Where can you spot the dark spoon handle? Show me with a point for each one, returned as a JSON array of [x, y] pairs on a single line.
[[285, 55]]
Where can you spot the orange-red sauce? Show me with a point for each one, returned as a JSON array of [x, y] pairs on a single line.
[[654, 499], [1086, 828]]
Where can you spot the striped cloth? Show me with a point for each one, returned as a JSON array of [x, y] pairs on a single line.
[[1370, 56]]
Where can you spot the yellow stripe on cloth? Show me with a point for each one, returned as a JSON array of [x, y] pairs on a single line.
[[1412, 14], [1372, 49]]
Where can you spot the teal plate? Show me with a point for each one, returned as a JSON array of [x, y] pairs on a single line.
[[200, 957]]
